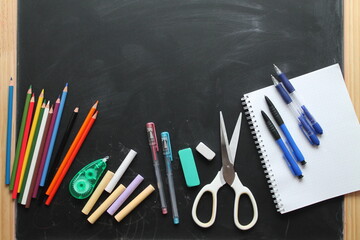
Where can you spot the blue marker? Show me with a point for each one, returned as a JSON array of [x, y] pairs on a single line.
[[53, 137], [303, 123], [278, 119], [290, 88], [289, 159], [166, 146]]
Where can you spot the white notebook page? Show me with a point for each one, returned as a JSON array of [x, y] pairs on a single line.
[[333, 168]]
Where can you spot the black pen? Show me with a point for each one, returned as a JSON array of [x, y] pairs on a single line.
[[280, 122], [289, 159]]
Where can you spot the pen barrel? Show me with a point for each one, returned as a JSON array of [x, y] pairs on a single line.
[[172, 190], [308, 131], [316, 126], [160, 185], [289, 159], [297, 153], [287, 84]]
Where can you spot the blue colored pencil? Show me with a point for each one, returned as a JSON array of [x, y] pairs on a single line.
[[53, 137], [9, 131]]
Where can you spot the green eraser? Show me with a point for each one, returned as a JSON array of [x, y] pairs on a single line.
[[189, 168]]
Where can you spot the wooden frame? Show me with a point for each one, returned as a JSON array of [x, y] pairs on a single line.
[[8, 63]]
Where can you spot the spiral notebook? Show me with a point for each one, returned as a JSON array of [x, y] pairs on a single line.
[[333, 168]]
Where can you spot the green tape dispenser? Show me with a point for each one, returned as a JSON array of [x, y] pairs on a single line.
[[84, 182]]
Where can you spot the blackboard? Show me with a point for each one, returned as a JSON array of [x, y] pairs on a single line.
[[176, 63]]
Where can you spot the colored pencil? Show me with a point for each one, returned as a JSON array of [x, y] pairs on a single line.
[[71, 159], [31, 137], [23, 145], [47, 142], [32, 164], [38, 160], [31, 154], [54, 134], [9, 131], [72, 147], [20, 138], [55, 164]]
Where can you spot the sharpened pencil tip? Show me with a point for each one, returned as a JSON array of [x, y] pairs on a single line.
[[58, 100], [29, 90], [76, 109], [95, 114], [42, 93], [65, 88], [48, 104], [95, 105]]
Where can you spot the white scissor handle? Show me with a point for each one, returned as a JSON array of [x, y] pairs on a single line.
[[240, 189], [213, 188]]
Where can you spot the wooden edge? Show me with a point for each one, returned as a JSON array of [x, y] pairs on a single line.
[[8, 37], [8, 44], [352, 79]]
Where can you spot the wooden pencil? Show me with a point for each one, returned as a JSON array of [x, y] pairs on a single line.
[[34, 157], [71, 159], [20, 138], [31, 136], [54, 135], [32, 150], [9, 132], [38, 160], [72, 147], [46, 147], [23, 145], [56, 161]]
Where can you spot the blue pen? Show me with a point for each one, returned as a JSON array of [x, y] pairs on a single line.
[[278, 119], [289, 159], [303, 123], [165, 140], [290, 88]]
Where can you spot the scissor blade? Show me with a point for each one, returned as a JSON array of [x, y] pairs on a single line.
[[235, 138], [227, 165]]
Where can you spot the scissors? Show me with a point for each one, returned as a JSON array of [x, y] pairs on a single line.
[[227, 175]]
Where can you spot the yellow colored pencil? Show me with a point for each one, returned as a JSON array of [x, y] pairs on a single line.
[[31, 137]]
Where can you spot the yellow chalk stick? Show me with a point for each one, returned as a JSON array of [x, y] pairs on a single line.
[[134, 203], [106, 204], [98, 191]]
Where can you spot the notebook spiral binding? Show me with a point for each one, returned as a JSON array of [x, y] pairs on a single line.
[[249, 114]]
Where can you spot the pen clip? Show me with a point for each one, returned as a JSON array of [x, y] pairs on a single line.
[[151, 132], [166, 144]]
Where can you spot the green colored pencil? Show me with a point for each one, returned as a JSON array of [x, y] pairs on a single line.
[[37, 128], [20, 138]]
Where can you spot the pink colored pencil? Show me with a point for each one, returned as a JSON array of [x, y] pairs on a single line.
[[46, 148]]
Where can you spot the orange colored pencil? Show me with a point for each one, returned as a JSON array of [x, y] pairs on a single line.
[[72, 147], [71, 159], [23, 146]]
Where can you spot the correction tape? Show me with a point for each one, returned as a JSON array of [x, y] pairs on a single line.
[[83, 183]]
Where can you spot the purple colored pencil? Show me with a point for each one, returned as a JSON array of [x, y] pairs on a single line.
[[46, 147], [128, 191]]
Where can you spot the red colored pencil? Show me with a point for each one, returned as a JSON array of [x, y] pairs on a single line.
[[23, 146], [71, 159]]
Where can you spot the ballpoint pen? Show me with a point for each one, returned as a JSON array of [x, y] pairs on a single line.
[[154, 147], [280, 122], [289, 159], [290, 88], [167, 152], [303, 123]]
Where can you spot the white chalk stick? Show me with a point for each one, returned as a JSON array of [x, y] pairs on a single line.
[[120, 171]]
